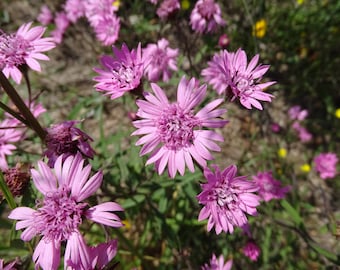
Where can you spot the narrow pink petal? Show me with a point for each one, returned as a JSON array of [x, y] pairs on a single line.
[[43, 178], [180, 161], [47, 255], [102, 214], [33, 64], [77, 254], [90, 187], [159, 94]]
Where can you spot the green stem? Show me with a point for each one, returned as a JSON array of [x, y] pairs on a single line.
[[20, 104]]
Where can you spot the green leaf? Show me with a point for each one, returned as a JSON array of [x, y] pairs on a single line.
[[292, 212], [6, 192]]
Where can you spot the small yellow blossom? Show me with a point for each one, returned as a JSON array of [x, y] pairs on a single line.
[[282, 152], [127, 224], [116, 3], [305, 168], [303, 52], [260, 28], [337, 113], [185, 4], [300, 2]]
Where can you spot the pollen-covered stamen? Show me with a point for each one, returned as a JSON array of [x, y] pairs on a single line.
[[58, 215], [13, 49], [124, 74], [176, 127]]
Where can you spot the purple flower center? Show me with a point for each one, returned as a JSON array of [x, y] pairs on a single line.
[[159, 59], [124, 75], [207, 9], [13, 50], [58, 215], [224, 196], [243, 86], [176, 127]]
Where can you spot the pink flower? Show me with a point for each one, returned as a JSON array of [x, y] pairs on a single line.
[[58, 216], [270, 188], [23, 47], [160, 60], [223, 41], [325, 164], [275, 127], [173, 132], [9, 134], [103, 254], [303, 133], [107, 29], [45, 16], [68, 140], [9, 266], [74, 9], [251, 250], [121, 73], [206, 16], [241, 79], [227, 199], [218, 264], [167, 8], [213, 75], [62, 23], [296, 113], [96, 10]]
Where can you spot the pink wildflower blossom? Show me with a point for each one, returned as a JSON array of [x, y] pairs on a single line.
[[223, 41], [217, 264], [62, 23], [173, 132], [251, 250], [227, 199], [241, 80], [296, 113], [58, 216], [153, 2], [213, 75], [45, 16], [161, 59], [96, 10], [270, 188], [9, 266], [167, 8], [23, 47], [107, 29], [103, 254], [206, 16], [74, 9], [9, 134], [325, 165], [303, 133], [66, 139], [121, 73]]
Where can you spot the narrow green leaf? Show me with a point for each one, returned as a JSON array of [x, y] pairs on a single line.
[[6, 192], [292, 212]]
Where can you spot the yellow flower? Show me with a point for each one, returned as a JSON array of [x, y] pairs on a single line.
[[260, 28], [185, 4], [337, 113], [116, 3], [305, 168], [127, 224], [282, 152], [300, 2]]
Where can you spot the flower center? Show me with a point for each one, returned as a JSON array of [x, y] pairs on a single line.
[[225, 197], [13, 50], [243, 86], [59, 215], [124, 75], [159, 58], [176, 127]]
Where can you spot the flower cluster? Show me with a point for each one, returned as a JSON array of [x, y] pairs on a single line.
[[297, 115]]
